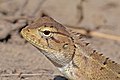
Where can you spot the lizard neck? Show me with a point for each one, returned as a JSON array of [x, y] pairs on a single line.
[[56, 60]]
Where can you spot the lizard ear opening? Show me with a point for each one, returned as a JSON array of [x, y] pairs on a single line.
[[65, 46]]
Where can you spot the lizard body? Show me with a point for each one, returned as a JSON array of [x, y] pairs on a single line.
[[72, 57]]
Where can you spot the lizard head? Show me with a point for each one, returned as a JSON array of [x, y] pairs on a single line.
[[52, 39]]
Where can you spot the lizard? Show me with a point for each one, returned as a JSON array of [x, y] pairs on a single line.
[[71, 56]]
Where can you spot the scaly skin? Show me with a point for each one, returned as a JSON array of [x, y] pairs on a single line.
[[72, 57]]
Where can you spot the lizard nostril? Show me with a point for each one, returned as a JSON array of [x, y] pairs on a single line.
[[28, 30]]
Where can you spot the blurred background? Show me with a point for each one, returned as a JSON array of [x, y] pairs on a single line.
[[98, 20]]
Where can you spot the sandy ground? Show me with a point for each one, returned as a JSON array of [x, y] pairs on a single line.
[[19, 60]]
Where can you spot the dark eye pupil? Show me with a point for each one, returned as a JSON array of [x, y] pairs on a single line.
[[46, 32]]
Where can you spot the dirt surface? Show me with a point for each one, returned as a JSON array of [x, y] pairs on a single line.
[[19, 60]]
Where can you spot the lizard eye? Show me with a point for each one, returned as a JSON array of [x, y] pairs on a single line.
[[46, 32]]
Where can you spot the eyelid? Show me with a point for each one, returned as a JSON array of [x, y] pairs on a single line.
[[51, 29]]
